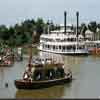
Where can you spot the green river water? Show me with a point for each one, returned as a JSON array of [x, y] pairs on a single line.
[[86, 74]]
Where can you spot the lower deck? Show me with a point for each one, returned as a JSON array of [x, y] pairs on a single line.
[[70, 50]]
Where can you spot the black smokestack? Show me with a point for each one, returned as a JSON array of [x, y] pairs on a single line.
[[65, 22], [77, 15]]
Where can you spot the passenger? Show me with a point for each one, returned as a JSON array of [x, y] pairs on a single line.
[[25, 76], [60, 72], [38, 77], [28, 73], [50, 74], [48, 61], [0, 58], [43, 61]]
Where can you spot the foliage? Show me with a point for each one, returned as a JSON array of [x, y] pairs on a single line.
[[83, 29], [21, 34], [93, 27]]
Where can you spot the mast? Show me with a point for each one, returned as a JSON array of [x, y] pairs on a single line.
[[65, 21], [30, 54], [77, 26], [48, 27], [77, 15], [30, 51]]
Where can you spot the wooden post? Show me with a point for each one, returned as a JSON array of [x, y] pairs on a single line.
[[30, 52], [65, 14]]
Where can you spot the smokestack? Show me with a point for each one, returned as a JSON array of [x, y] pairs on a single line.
[[65, 22], [77, 15]]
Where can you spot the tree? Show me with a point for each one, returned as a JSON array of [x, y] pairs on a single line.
[[39, 28], [4, 32], [93, 27], [98, 25], [11, 40], [83, 29], [39, 25], [20, 34]]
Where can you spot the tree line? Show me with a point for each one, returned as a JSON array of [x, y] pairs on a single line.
[[93, 26], [21, 34]]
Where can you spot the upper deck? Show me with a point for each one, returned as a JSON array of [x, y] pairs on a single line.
[[60, 37]]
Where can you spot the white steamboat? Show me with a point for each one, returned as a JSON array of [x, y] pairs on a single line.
[[64, 41]]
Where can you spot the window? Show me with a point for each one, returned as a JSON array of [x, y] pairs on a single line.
[[60, 47], [54, 47]]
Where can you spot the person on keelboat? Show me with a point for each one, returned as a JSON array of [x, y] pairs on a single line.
[[28, 73]]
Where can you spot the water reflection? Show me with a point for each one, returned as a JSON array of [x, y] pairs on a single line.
[[52, 92], [1, 77]]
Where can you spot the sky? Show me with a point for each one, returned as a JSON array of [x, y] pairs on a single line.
[[16, 11]]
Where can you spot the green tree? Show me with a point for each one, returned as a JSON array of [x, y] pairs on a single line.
[[20, 34], [11, 40], [93, 27], [83, 29], [39, 28], [4, 32], [98, 25]]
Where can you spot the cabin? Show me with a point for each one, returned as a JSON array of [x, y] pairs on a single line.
[[44, 72]]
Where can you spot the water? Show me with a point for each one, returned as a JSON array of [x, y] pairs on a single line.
[[86, 74]]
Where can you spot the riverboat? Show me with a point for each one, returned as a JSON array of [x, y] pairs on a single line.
[[64, 41], [53, 92], [6, 59], [43, 73], [93, 47]]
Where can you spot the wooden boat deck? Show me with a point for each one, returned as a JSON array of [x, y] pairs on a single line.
[[23, 84]]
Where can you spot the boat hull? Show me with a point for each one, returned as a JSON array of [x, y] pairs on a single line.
[[76, 53], [22, 84], [5, 65], [95, 51]]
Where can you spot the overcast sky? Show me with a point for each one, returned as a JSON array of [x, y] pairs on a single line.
[[15, 11]]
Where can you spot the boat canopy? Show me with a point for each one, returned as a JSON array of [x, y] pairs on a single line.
[[45, 63], [49, 66]]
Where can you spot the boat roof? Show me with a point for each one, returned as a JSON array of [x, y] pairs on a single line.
[[48, 66], [39, 58], [65, 43], [62, 31], [97, 41], [48, 63], [59, 36]]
